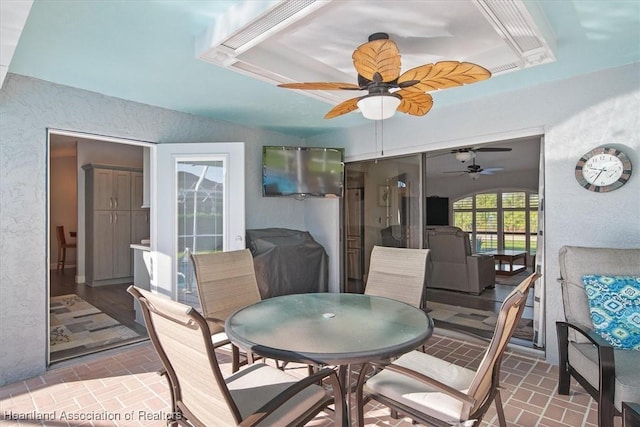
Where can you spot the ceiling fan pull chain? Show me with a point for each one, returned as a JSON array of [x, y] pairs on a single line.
[[381, 130], [381, 138], [375, 139]]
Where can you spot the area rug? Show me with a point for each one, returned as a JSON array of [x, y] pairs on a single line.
[[515, 279], [479, 322], [77, 328]]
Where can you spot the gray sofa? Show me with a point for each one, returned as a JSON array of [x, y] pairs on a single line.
[[453, 265], [609, 374]]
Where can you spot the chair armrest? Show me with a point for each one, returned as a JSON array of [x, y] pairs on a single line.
[[585, 331], [294, 389], [456, 394], [606, 360]]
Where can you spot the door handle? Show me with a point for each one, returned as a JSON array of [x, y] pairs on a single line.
[[110, 218], [116, 204], [116, 215], [110, 202]]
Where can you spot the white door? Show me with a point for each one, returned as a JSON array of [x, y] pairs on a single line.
[[197, 205]]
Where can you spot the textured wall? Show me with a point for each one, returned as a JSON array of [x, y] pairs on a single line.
[[27, 108]]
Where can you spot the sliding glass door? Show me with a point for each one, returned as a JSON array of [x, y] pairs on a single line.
[[382, 208]]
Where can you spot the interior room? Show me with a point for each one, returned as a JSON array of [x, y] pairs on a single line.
[[101, 295], [393, 219], [488, 141]]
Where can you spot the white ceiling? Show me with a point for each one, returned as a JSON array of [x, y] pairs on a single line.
[[524, 155], [283, 44]]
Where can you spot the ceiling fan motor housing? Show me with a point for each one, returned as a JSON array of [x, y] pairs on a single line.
[[378, 36]]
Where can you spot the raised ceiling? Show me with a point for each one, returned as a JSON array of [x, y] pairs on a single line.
[[149, 52], [313, 40]]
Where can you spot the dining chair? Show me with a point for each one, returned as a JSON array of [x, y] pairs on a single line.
[[225, 282], [398, 273], [436, 392], [201, 396], [62, 247]]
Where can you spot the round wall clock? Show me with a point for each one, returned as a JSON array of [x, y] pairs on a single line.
[[603, 169]]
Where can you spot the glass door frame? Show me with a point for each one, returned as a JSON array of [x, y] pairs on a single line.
[[164, 196]]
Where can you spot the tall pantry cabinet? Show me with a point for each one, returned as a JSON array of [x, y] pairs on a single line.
[[111, 206]]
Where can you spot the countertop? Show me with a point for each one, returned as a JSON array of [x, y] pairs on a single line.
[[140, 247]]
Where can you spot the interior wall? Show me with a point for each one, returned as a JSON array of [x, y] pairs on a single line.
[[28, 107], [322, 220], [574, 121], [64, 205]]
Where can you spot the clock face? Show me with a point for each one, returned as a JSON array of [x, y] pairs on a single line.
[[603, 169]]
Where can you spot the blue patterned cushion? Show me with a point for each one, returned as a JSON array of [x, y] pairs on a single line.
[[614, 304]]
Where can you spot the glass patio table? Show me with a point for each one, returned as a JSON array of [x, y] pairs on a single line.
[[329, 329]]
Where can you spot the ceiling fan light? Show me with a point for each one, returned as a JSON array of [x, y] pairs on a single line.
[[474, 175], [378, 107], [464, 156]]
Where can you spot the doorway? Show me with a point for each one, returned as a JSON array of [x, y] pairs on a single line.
[[139, 231], [86, 317]]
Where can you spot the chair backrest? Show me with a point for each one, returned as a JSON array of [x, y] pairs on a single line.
[[576, 262], [182, 339], [448, 244], [487, 375], [398, 273], [393, 236], [226, 282], [60, 235]]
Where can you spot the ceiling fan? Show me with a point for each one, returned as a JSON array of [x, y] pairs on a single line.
[[378, 65], [475, 170], [466, 154]]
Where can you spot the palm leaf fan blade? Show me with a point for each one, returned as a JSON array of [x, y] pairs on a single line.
[[378, 56], [414, 103], [443, 75], [343, 108], [320, 86]]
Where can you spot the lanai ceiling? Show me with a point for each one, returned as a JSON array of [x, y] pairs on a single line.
[[193, 56]]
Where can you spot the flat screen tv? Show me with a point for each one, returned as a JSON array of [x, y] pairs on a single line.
[[302, 171]]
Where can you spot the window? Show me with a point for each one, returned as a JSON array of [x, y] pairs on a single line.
[[499, 221]]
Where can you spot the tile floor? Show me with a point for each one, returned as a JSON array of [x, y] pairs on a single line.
[[121, 388]]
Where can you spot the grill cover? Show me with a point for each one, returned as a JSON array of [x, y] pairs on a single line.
[[288, 262]]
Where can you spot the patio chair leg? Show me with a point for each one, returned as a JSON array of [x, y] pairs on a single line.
[[235, 358], [499, 410], [564, 378], [606, 413]]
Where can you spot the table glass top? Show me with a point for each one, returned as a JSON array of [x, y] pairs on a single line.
[[329, 328]]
